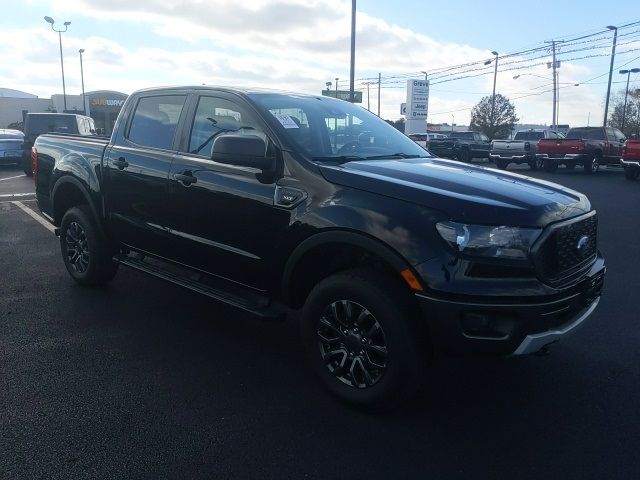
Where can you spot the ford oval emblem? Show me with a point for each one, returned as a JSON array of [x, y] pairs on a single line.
[[583, 244]]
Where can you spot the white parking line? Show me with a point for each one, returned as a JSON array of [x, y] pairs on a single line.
[[11, 195], [35, 216], [11, 178]]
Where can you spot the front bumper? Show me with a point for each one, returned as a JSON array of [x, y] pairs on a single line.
[[514, 327]]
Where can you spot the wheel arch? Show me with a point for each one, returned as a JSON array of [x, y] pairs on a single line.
[[322, 254], [69, 192]]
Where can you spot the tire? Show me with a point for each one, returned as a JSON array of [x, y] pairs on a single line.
[[384, 318], [502, 164], [535, 164], [592, 165], [26, 167], [549, 166], [464, 156], [86, 253], [631, 173]]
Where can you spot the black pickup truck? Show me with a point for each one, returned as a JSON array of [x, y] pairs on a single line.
[[463, 146], [389, 255]]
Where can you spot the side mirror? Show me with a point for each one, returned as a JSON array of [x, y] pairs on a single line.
[[241, 150]]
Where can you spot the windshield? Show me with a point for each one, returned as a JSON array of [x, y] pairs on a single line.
[[529, 136], [326, 128], [586, 133]]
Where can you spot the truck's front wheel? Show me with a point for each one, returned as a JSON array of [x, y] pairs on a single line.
[[86, 253], [363, 337]]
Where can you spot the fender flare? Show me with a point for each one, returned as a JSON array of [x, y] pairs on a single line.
[[355, 239], [68, 179]]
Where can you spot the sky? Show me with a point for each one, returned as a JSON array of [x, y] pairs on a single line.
[[299, 45]]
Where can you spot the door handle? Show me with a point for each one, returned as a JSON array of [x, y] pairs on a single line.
[[121, 163], [186, 178]]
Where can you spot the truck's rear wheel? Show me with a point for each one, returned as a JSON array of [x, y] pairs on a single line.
[[550, 166], [592, 165], [502, 164], [535, 164], [86, 253], [363, 337], [631, 173]]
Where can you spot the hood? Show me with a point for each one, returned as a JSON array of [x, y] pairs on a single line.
[[465, 193]]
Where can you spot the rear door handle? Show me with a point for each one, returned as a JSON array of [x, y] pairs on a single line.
[[186, 178], [121, 163]]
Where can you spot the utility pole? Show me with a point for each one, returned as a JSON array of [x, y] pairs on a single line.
[[379, 82], [613, 56], [84, 106], [493, 97], [626, 93], [554, 66], [353, 49], [368, 100]]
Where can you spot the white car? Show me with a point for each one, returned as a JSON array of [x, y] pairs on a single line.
[[423, 139]]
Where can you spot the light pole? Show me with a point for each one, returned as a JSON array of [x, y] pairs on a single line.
[[613, 56], [626, 93], [84, 106], [495, 77], [51, 21], [353, 49]]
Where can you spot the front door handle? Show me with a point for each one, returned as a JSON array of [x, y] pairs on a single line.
[[121, 163], [186, 178]]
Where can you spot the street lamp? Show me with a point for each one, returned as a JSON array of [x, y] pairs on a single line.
[[613, 56], [84, 106], [495, 76], [353, 50], [51, 21], [626, 93]]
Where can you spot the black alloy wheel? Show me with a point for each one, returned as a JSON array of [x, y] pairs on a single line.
[[352, 344], [78, 255]]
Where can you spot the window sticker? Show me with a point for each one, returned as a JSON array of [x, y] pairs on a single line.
[[285, 120]]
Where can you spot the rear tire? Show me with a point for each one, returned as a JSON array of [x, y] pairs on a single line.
[[502, 164], [631, 173], [86, 252], [535, 164], [593, 165], [550, 166], [365, 320], [464, 156]]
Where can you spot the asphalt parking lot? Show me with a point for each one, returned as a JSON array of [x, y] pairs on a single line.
[[145, 380]]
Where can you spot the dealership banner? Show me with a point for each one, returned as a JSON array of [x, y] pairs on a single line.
[[417, 99]]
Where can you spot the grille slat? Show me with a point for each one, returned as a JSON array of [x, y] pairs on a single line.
[[560, 259]]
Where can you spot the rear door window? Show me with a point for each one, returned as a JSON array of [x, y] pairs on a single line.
[[155, 121]]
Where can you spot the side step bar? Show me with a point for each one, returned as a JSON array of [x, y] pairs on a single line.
[[260, 305]]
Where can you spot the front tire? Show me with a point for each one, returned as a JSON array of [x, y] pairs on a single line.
[[86, 252], [464, 156], [362, 335]]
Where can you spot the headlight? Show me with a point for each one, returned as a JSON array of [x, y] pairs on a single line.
[[510, 243]]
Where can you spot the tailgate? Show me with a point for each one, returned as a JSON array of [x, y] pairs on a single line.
[[508, 146], [559, 147]]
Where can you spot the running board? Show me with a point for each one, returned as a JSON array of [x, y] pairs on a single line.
[[245, 300]]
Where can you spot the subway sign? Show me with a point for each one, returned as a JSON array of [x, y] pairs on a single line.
[[107, 102]]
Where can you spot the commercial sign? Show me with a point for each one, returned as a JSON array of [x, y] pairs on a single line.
[[106, 102], [417, 99], [343, 95]]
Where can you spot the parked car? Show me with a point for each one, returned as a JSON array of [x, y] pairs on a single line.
[[463, 146], [38, 123], [631, 159], [390, 254], [522, 149], [423, 139], [10, 146], [586, 146]]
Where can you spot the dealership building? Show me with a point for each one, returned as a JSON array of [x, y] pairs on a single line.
[[102, 105]]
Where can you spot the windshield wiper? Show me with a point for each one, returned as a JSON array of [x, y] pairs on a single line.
[[396, 155], [339, 158]]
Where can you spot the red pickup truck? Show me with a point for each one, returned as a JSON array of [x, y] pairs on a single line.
[[631, 159], [586, 146]]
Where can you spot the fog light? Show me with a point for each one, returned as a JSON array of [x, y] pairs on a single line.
[[483, 326]]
